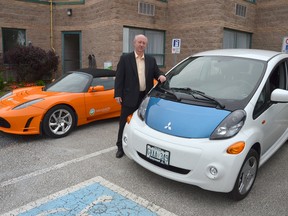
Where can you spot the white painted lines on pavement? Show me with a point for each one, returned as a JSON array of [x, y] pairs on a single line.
[[55, 167]]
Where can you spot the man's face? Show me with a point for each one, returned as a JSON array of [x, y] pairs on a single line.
[[140, 44]]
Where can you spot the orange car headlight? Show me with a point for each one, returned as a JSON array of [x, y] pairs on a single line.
[[6, 95], [27, 104]]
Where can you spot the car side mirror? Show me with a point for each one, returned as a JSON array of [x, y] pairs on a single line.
[[96, 88], [280, 96]]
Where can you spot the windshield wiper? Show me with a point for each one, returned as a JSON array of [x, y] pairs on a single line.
[[193, 92], [170, 92]]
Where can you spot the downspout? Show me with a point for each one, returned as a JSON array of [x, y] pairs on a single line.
[[51, 26]]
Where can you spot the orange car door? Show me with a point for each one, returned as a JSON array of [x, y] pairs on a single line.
[[100, 104]]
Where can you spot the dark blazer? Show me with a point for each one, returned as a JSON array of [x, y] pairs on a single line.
[[127, 81]]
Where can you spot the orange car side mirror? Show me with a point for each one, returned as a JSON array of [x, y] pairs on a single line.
[[96, 88]]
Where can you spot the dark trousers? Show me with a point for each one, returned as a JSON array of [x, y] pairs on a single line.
[[125, 112]]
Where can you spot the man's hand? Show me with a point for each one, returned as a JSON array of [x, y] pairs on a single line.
[[118, 100], [162, 78]]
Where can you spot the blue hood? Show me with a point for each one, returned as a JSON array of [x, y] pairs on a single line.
[[183, 120]]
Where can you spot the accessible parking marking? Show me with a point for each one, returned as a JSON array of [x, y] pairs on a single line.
[[96, 196]]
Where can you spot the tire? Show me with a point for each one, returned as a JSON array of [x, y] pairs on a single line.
[[59, 121], [246, 176]]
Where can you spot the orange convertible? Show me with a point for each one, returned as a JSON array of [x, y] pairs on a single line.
[[77, 98]]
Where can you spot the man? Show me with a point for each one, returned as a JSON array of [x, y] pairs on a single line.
[[134, 78]]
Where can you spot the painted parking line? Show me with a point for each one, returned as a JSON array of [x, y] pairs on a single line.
[[96, 196], [56, 167]]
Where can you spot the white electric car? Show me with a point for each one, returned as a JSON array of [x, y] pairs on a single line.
[[218, 117]]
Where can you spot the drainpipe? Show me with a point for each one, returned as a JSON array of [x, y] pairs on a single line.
[[51, 25]]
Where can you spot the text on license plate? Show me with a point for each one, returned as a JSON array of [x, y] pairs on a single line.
[[157, 154]]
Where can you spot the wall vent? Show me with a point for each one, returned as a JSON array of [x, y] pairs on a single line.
[[240, 10], [146, 8]]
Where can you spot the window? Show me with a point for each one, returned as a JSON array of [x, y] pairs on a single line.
[[12, 38], [146, 8], [252, 1], [155, 46], [107, 82], [276, 80], [240, 10], [236, 39]]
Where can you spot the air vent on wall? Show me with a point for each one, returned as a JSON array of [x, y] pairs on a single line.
[[146, 8], [240, 10]]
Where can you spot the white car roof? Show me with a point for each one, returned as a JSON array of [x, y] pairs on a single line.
[[258, 54]]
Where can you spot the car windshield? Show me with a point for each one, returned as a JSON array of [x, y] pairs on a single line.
[[72, 82], [218, 77]]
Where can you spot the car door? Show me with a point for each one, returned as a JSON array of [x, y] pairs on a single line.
[[100, 103], [272, 117]]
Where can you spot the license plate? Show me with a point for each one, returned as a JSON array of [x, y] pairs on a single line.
[[157, 154]]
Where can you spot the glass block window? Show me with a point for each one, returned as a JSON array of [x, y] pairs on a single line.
[[146, 8], [240, 10]]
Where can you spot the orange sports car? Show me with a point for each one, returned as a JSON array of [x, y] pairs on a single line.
[[77, 98]]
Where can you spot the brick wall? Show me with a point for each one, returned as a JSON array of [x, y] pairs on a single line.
[[101, 24], [271, 24], [199, 24], [30, 16]]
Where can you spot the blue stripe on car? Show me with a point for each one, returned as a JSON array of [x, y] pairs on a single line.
[[183, 120]]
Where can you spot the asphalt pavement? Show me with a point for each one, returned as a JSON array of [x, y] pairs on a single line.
[[79, 175]]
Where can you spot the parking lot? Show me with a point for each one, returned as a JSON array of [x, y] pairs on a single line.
[[79, 174]]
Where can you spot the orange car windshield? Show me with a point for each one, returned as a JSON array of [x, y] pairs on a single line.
[[74, 82]]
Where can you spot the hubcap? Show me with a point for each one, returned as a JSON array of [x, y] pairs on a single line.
[[247, 175], [60, 122]]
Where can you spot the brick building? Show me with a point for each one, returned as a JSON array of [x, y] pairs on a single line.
[[76, 29]]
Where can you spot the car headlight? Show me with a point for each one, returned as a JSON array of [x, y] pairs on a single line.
[[142, 108], [26, 104], [6, 95], [230, 126]]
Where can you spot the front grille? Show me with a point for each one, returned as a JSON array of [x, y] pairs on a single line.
[[167, 167], [4, 123]]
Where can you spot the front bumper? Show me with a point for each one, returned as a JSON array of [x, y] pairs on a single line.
[[23, 122], [192, 161]]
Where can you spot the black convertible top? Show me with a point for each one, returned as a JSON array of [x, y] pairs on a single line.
[[95, 72]]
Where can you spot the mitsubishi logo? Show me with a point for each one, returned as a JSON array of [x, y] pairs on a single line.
[[168, 126]]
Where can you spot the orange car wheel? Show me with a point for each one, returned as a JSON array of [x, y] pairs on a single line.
[[59, 121]]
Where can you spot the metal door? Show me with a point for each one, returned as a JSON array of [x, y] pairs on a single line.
[[71, 52]]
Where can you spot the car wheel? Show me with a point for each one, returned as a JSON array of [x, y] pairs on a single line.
[[246, 176], [59, 121]]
